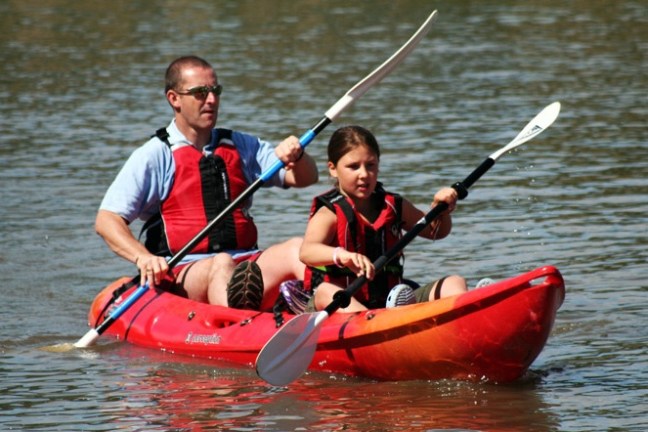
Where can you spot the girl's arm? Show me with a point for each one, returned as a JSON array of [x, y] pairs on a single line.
[[442, 225], [316, 249], [319, 249]]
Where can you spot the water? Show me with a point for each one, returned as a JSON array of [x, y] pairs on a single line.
[[81, 87]]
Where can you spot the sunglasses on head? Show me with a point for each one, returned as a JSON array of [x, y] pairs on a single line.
[[202, 92]]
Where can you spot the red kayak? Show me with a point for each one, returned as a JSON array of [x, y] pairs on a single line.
[[491, 333]]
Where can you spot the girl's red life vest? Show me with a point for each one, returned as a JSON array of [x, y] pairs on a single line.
[[356, 234], [203, 186]]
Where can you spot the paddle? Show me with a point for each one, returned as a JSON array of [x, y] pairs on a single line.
[[349, 97], [287, 355]]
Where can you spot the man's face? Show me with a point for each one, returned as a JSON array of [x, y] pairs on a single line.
[[197, 110]]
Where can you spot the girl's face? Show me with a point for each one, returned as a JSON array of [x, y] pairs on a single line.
[[356, 173]]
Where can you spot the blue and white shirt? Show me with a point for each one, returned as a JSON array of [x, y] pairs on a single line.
[[146, 178]]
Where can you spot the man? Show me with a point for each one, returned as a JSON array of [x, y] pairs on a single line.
[[182, 178]]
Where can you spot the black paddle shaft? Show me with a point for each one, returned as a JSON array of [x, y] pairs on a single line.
[[342, 299]]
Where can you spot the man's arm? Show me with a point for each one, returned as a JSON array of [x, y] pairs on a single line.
[[301, 170], [302, 173], [118, 236]]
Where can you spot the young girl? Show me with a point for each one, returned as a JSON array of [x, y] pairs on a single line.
[[355, 223]]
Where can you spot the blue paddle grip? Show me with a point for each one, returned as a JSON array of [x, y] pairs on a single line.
[[304, 140], [139, 292]]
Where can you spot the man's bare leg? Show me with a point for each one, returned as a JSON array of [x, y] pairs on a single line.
[[278, 263], [206, 280]]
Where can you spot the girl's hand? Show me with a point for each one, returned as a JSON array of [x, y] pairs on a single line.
[[357, 263], [447, 195]]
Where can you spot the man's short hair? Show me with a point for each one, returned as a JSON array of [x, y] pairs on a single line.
[[173, 74]]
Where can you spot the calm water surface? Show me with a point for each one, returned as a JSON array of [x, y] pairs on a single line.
[[81, 88]]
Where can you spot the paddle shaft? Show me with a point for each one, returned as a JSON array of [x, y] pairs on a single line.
[[286, 356], [539, 123], [304, 140], [331, 114], [342, 298]]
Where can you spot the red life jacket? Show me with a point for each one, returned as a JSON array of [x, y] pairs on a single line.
[[355, 234], [203, 186]]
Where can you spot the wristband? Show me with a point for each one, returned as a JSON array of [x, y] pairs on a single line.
[[335, 258], [301, 155]]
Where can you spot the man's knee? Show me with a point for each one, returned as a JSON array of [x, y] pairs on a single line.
[[294, 242], [287, 248], [221, 262], [293, 245]]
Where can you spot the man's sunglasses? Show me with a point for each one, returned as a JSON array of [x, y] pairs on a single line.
[[201, 92]]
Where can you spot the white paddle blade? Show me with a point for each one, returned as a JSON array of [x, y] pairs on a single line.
[[287, 355], [88, 339], [381, 71], [539, 123]]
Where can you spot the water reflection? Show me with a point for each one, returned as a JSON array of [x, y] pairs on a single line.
[[184, 395]]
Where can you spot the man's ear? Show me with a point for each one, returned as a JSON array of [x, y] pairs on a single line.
[[174, 99]]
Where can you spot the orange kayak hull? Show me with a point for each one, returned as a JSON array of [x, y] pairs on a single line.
[[492, 333]]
